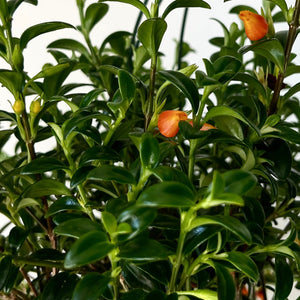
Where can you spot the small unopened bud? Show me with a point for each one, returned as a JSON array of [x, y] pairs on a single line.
[[18, 107], [35, 107]]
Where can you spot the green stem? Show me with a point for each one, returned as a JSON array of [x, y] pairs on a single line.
[[293, 26], [132, 195], [207, 90], [112, 130], [179, 58], [193, 146]]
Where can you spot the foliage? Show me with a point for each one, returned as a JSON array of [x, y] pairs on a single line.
[[120, 210]]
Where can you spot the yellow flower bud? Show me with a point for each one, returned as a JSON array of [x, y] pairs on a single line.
[[35, 107], [18, 107]]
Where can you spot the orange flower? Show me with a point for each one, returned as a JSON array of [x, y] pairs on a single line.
[[256, 26], [168, 122], [207, 126]]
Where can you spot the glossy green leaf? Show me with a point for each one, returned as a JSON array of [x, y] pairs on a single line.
[[185, 85], [43, 164], [94, 13], [109, 222], [98, 153], [138, 4], [270, 49], [230, 125], [152, 250], [14, 4], [16, 238], [111, 173], [282, 4], [238, 8], [229, 223], [126, 85], [27, 202], [64, 204], [80, 175], [238, 181], [5, 266], [12, 80], [292, 91], [200, 294], [228, 111], [50, 70], [60, 286], [149, 151], [36, 30], [226, 198], [46, 187], [167, 194], [242, 262], [70, 44], [91, 287], [150, 33], [89, 248], [226, 286], [284, 279], [77, 227], [90, 96], [117, 41], [184, 3]]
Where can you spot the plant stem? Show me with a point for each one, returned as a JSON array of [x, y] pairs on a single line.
[[25, 275], [179, 58], [293, 26], [193, 145]]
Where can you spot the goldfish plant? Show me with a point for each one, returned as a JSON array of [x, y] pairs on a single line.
[[165, 184]]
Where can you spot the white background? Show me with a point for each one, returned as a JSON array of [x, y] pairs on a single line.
[[199, 29]]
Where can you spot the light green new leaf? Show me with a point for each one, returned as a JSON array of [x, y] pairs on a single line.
[[200, 294], [36, 30], [184, 3], [150, 34]]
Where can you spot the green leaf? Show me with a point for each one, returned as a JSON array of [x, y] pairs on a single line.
[[242, 262], [149, 151], [63, 204], [270, 49], [150, 34], [226, 286], [89, 248], [292, 91], [94, 13], [5, 266], [27, 202], [12, 81], [228, 111], [284, 279], [167, 194], [238, 181], [89, 97], [226, 198], [50, 70], [109, 222], [230, 223], [43, 164], [184, 3], [282, 4], [70, 44], [138, 4], [60, 286], [126, 85], [230, 125], [36, 30], [151, 250], [201, 294], [111, 173], [77, 227], [16, 237], [91, 287], [46, 187], [185, 85]]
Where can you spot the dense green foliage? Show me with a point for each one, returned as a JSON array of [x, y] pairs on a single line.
[[115, 210]]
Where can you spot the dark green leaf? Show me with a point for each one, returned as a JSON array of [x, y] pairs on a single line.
[[126, 85], [226, 286], [151, 250], [150, 33], [48, 254], [90, 96], [230, 223], [46, 187], [270, 49], [237, 9], [284, 279], [167, 194], [149, 151], [5, 266], [98, 153], [43, 164], [91, 287], [36, 30], [80, 175], [184, 3], [185, 85], [63, 204], [293, 90], [111, 173], [76, 227], [16, 238], [94, 13], [89, 248]]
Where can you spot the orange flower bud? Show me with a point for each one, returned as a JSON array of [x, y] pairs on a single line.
[[207, 126], [168, 122], [256, 26]]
